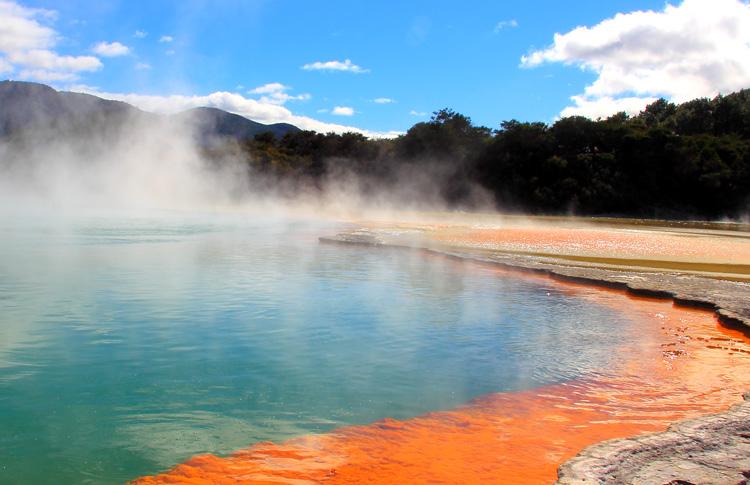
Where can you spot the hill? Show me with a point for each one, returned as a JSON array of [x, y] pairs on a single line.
[[30, 108], [214, 122]]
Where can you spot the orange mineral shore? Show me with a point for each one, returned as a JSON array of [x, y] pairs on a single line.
[[678, 363]]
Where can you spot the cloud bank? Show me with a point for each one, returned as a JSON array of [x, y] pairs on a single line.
[[27, 46], [255, 109], [699, 48]]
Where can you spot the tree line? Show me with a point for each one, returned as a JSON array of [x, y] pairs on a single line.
[[669, 161]]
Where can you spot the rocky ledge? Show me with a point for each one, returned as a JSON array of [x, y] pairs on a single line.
[[709, 450]]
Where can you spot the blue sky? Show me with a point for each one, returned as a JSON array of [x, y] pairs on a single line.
[[421, 55]]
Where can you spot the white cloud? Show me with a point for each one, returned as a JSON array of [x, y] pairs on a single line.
[[383, 100], [269, 88], [505, 24], [111, 49], [346, 66], [605, 106], [281, 98], [698, 48], [19, 29], [169, 52], [142, 66], [14, 8], [342, 111], [28, 45], [276, 93], [417, 113], [49, 60], [166, 39], [234, 103], [140, 34]]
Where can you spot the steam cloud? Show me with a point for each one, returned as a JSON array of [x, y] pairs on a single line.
[[147, 163], [137, 165]]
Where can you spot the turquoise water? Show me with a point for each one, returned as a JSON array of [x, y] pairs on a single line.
[[129, 344]]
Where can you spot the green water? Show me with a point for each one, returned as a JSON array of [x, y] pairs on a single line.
[[129, 344]]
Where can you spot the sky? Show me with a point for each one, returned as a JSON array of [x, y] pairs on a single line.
[[379, 67]]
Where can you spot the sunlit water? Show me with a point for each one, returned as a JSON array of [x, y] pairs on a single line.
[[129, 344]]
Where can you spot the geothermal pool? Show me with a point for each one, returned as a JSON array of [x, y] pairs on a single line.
[[129, 345]]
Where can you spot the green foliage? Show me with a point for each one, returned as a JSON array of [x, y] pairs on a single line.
[[447, 135], [686, 160]]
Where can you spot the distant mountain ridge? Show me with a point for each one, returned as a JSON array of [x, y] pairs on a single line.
[[28, 107], [216, 122], [31, 107]]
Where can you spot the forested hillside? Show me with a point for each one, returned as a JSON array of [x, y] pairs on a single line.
[[687, 160], [671, 161]]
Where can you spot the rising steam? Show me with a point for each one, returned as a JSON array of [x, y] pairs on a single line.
[[151, 162]]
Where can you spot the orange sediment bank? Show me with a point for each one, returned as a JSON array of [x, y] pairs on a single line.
[[678, 363]]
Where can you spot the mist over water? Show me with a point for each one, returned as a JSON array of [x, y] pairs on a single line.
[[129, 344], [134, 161], [135, 164]]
